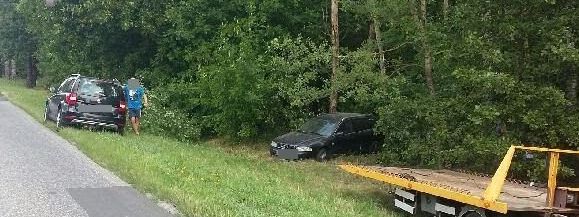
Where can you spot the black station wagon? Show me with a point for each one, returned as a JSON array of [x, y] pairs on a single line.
[[326, 135], [81, 100]]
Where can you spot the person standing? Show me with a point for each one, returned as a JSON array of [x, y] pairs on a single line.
[[136, 99]]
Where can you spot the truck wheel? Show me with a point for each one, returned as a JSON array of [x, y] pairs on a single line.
[[323, 155], [470, 211], [472, 214]]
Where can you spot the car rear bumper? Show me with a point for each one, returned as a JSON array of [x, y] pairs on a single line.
[[99, 121], [94, 123]]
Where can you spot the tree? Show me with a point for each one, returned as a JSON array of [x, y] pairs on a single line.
[[6, 63], [445, 6], [32, 71], [422, 25], [16, 42], [335, 38], [248, 68], [376, 25]]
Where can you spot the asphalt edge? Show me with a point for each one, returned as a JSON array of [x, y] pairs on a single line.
[[169, 207]]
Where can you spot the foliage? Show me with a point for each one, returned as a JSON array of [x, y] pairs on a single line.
[[473, 121], [168, 120], [504, 72], [16, 42], [210, 178]]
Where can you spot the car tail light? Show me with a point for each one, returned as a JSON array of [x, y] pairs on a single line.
[[122, 106], [71, 99]]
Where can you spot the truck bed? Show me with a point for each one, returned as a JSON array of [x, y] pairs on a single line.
[[492, 194], [519, 197]]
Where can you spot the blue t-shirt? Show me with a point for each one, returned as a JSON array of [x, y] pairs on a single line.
[[134, 97]]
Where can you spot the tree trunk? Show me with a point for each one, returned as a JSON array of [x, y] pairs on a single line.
[[378, 34], [335, 37], [445, 9], [32, 73], [7, 69], [525, 55], [421, 23], [371, 31], [571, 89], [428, 68], [427, 51], [12, 69]]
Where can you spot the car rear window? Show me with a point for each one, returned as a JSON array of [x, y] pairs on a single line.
[[96, 87]]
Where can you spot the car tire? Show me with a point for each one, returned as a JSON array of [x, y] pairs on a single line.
[[45, 113], [121, 131], [374, 147], [59, 122], [323, 155]]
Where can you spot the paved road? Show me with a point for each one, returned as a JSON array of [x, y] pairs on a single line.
[[42, 174]]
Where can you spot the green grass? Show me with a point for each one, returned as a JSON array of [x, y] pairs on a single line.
[[212, 179]]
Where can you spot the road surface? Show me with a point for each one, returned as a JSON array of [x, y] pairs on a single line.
[[42, 174]]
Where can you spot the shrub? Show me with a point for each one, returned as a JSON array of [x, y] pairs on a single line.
[[473, 121], [168, 121]]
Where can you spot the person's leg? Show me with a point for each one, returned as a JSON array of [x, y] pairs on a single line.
[[133, 118], [137, 117], [134, 125], [137, 125]]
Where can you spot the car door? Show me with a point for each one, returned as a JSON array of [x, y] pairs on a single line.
[[343, 137], [362, 134], [50, 103], [59, 96]]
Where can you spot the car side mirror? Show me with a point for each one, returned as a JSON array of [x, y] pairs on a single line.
[[52, 89]]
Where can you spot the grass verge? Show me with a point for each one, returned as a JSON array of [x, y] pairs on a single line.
[[209, 179]]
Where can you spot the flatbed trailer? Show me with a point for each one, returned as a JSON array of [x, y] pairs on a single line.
[[459, 194]]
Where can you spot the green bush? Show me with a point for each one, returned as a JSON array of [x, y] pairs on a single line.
[[162, 119], [472, 123]]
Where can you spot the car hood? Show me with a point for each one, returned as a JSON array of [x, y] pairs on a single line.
[[298, 138]]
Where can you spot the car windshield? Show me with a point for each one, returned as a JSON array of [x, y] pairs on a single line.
[[320, 126], [95, 88]]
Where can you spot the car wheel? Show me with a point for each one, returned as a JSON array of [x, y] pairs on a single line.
[[59, 123], [374, 147], [121, 131], [323, 155], [45, 113]]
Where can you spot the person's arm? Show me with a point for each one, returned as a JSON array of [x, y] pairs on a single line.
[[145, 100], [126, 92]]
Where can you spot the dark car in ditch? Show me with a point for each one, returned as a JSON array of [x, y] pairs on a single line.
[[81, 100], [326, 135]]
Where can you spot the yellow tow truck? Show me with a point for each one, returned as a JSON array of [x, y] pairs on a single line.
[[450, 193]]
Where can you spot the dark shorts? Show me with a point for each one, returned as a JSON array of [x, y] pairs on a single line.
[[135, 113]]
